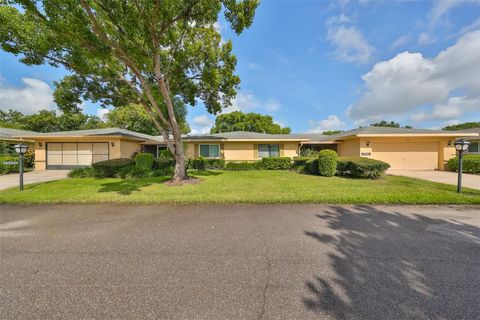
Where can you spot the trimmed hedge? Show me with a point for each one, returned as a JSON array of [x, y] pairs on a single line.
[[243, 166], [110, 168], [277, 163], [327, 163], [144, 161], [311, 166], [201, 163], [471, 164], [358, 167]]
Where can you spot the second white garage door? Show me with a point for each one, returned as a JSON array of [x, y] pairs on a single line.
[[407, 155], [70, 155]]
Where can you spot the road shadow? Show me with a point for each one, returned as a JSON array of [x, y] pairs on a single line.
[[127, 186], [395, 266]]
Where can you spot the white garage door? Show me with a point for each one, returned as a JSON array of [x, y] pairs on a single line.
[[407, 155], [70, 155]]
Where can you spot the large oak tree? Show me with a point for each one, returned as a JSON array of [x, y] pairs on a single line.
[[132, 51]]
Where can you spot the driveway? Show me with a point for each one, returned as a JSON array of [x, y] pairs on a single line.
[[468, 180], [239, 262], [12, 180]]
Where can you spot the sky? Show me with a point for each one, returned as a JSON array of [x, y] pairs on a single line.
[[320, 65]]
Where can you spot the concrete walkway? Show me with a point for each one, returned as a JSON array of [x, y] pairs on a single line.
[[469, 180], [12, 180]]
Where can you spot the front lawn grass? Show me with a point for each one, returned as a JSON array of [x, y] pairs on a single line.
[[244, 187]]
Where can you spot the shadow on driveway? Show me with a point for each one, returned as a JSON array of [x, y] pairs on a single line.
[[393, 266]]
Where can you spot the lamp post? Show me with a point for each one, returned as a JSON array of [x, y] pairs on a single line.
[[461, 146], [21, 149]]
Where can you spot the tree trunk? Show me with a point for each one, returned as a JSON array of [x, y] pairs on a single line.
[[180, 172]]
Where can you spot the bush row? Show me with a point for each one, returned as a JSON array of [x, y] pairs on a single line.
[[471, 164], [353, 167], [203, 163]]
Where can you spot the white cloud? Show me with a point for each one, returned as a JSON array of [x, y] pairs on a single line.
[[454, 107], [201, 124], [349, 42], [102, 113], [425, 38], [34, 96], [331, 123], [400, 42], [409, 81], [247, 102]]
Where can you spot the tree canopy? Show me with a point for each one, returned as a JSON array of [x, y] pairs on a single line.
[[253, 122], [462, 126], [391, 124], [132, 52]]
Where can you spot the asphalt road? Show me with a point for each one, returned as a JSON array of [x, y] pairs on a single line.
[[239, 262]]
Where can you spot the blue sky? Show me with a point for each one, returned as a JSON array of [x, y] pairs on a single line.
[[318, 65]]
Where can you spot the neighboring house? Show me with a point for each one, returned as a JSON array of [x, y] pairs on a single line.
[[407, 149], [474, 147]]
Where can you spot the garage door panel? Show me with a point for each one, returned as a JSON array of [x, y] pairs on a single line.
[[407, 155], [100, 148], [99, 157], [69, 148], [85, 148]]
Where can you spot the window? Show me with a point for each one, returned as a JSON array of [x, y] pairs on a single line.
[[210, 150], [268, 150], [473, 147]]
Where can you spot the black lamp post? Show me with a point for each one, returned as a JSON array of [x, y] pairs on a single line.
[[21, 149], [461, 146]]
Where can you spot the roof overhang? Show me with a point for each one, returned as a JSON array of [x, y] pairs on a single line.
[[100, 136], [400, 135], [246, 140]]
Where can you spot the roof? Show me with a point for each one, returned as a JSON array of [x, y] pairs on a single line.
[[472, 130], [13, 134], [87, 133], [245, 135]]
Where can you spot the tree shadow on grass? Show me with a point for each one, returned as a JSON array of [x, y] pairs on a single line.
[[127, 186], [395, 266], [205, 173]]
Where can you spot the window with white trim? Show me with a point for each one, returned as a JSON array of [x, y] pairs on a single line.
[[268, 150], [210, 150]]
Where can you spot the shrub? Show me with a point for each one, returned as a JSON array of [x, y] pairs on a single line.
[[308, 153], [165, 154], [299, 163], [327, 163], [111, 168], [8, 168], [471, 164], [215, 163], [311, 166], [199, 163], [277, 163], [29, 159], [85, 172], [135, 172], [357, 167], [144, 161], [243, 166], [163, 163]]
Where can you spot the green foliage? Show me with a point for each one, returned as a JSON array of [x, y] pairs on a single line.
[[391, 124], [162, 163], [332, 132], [358, 167], [308, 153], [277, 163], [6, 149], [110, 168], [29, 159], [134, 172], [165, 154], [252, 122], [8, 168], [134, 117], [311, 166], [83, 172], [202, 163], [243, 166], [144, 161], [327, 163], [462, 126], [471, 164], [299, 163]]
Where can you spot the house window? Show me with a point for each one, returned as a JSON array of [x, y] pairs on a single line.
[[268, 150], [473, 147], [210, 150]]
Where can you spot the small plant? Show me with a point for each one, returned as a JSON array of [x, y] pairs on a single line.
[[277, 163], [144, 161], [327, 163]]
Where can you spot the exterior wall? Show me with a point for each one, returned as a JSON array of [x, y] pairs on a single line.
[[349, 148], [242, 151], [128, 148]]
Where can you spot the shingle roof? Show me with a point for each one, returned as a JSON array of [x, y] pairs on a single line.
[[91, 132], [8, 133], [245, 135]]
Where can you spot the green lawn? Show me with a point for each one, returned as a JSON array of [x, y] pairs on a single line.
[[244, 187]]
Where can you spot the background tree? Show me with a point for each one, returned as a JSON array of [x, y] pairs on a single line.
[[462, 126], [253, 122], [391, 124], [134, 117], [142, 52], [331, 132]]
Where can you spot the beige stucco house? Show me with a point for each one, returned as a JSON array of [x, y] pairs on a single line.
[[405, 149]]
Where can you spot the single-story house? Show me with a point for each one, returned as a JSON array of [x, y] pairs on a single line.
[[405, 149], [474, 147]]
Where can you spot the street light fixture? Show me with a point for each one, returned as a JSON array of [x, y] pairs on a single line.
[[21, 149], [461, 146]]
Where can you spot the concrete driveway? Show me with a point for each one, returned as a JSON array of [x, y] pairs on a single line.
[[12, 180], [239, 262], [469, 180]]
